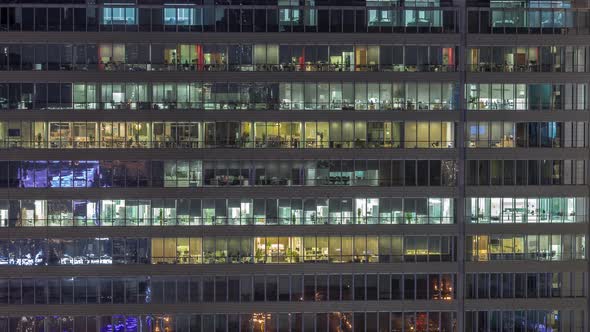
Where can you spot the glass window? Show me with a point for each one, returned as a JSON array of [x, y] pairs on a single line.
[[118, 15]]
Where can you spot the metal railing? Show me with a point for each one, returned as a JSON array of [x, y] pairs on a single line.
[[294, 143], [229, 67], [531, 67], [395, 105], [71, 221]]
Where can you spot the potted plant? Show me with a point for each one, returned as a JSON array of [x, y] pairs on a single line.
[[293, 255], [259, 255], [408, 218]]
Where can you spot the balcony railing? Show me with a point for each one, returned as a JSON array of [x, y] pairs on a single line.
[[62, 221], [245, 144], [396, 105], [526, 68], [229, 67]]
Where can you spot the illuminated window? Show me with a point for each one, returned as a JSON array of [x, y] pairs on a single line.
[[118, 15], [179, 16]]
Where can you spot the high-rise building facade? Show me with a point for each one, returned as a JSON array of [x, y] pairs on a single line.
[[294, 165]]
